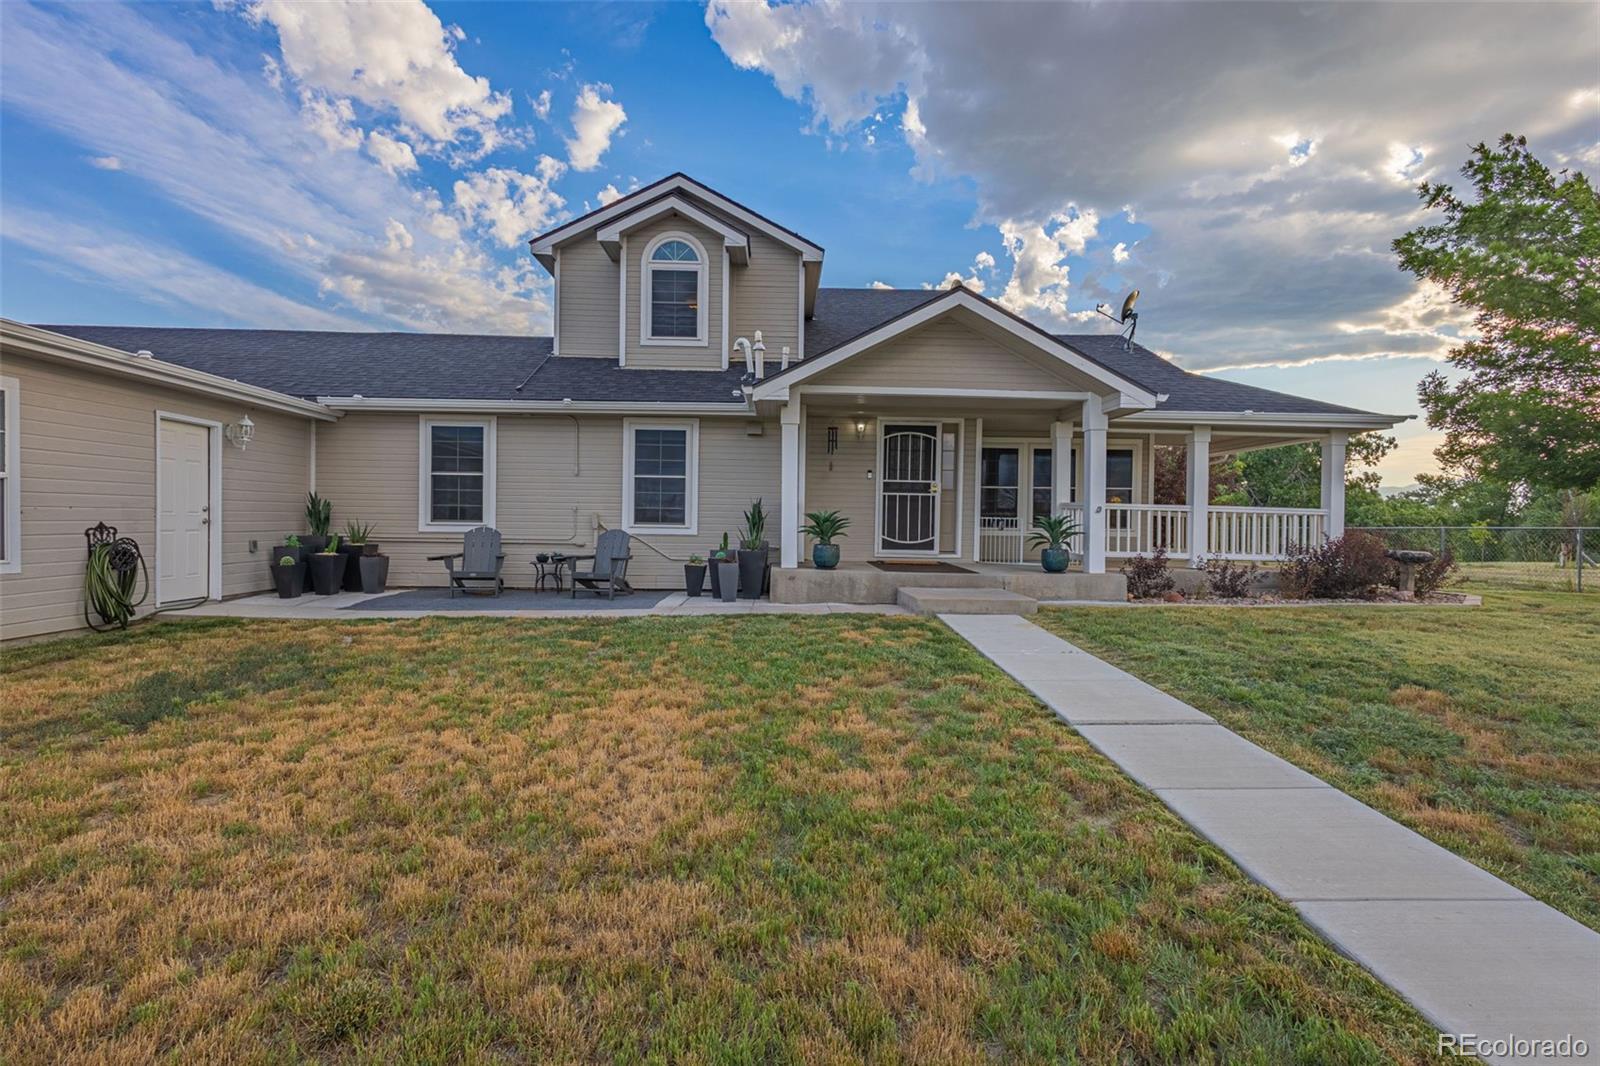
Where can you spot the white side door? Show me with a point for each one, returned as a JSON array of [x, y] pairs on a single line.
[[183, 512]]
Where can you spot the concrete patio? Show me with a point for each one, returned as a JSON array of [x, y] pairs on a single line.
[[346, 605], [1471, 952]]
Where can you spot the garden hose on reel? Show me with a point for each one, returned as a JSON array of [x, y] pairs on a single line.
[[115, 571]]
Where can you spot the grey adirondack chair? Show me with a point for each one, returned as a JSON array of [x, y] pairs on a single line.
[[608, 566], [480, 558]]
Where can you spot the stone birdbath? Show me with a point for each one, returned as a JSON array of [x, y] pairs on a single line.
[[1409, 560]]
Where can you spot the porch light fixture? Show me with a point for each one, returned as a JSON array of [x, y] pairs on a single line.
[[242, 433], [861, 429]]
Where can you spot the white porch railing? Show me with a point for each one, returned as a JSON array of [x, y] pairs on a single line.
[[1141, 528], [1262, 533], [1248, 533]]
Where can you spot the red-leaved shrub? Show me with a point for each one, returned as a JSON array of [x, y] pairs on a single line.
[[1228, 580], [1147, 575], [1349, 567]]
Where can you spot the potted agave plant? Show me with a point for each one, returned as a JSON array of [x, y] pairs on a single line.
[[753, 552], [327, 568], [286, 576], [694, 575], [825, 527], [319, 516], [1050, 534], [353, 545], [725, 572]]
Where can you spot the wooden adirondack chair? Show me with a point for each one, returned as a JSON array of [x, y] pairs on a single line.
[[481, 560], [608, 566]]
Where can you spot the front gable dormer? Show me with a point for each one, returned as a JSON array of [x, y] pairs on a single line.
[[671, 276]]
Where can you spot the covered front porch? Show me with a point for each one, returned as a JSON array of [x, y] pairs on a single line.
[[931, 481]]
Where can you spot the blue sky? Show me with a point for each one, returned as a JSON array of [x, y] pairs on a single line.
[[344, 166]]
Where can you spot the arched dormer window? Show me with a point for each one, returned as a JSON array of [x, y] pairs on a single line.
[[674, 291]]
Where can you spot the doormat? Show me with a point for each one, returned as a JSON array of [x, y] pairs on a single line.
[[914, 566]]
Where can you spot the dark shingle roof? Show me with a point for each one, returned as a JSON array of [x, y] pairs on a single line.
[[488, 367], [1187, 391]]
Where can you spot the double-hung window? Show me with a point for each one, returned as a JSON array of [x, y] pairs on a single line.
[[10, 483], [660, 476], [457, 483], [674, 292]]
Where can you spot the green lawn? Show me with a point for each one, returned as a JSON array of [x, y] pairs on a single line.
[[763, 840], [1479, 727]]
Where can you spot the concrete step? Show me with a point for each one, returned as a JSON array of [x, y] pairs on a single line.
[[965, 601]]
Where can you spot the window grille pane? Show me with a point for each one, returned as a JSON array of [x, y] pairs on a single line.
[[457, 498], [456, 449], [674, 303]]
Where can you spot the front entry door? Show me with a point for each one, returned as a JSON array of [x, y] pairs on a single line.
[[908, 508], [183, 531]]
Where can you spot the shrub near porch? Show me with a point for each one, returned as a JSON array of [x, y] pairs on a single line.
[[771, 839], [1478, 727]]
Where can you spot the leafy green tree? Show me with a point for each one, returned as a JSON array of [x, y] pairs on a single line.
[[1524, 254]]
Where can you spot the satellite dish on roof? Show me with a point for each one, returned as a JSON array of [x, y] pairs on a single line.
[[1129, 319]]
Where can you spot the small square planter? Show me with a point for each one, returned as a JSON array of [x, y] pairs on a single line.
[[327, 572], [694, 578], [727, 579], [287, 580], [374, 571]]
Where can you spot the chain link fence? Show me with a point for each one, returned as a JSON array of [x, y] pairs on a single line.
[[1544, 557]]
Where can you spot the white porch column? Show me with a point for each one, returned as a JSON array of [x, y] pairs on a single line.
[[1061, 462], [1199, 493], [789, 513], [1333, 483], [1094, 486]]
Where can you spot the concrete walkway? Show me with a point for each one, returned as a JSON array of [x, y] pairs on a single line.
[[1472, 953]]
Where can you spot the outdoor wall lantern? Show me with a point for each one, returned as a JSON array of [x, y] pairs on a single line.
[[861, 429], [242, 433]]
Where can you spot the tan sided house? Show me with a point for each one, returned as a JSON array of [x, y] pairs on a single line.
[[697, 364]]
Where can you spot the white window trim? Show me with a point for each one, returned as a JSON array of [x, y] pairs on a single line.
[[691, 509], [425, 424], [703, 300], [11, 550]]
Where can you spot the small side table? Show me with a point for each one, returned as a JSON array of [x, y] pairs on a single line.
[[547, 570]]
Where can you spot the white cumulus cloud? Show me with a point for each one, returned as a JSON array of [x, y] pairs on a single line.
[[594, 120]]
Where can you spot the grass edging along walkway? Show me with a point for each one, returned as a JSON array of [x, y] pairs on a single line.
[[1479, 729], [770, 838], [1473, 953]]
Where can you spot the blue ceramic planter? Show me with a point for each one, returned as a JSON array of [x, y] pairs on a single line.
[[824, 556], [1055, 560]]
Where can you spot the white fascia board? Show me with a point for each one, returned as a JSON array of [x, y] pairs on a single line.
[[545, 245], [610, 236], [1269, 419], [384, 403], [41, 343], [1062, 395], [1132, 394]]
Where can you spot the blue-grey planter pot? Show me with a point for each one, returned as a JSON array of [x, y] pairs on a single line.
[[824, 556], [1054, 560]]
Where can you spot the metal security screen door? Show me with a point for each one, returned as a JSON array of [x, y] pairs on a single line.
[[909, 504]]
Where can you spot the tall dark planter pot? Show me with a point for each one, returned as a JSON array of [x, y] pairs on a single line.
[[298, 569], [374, 571], [287, 580], [726, 579], [352, 566], [716, 576], [327, 573], [311, 544], [752, 572], [694, 578]]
